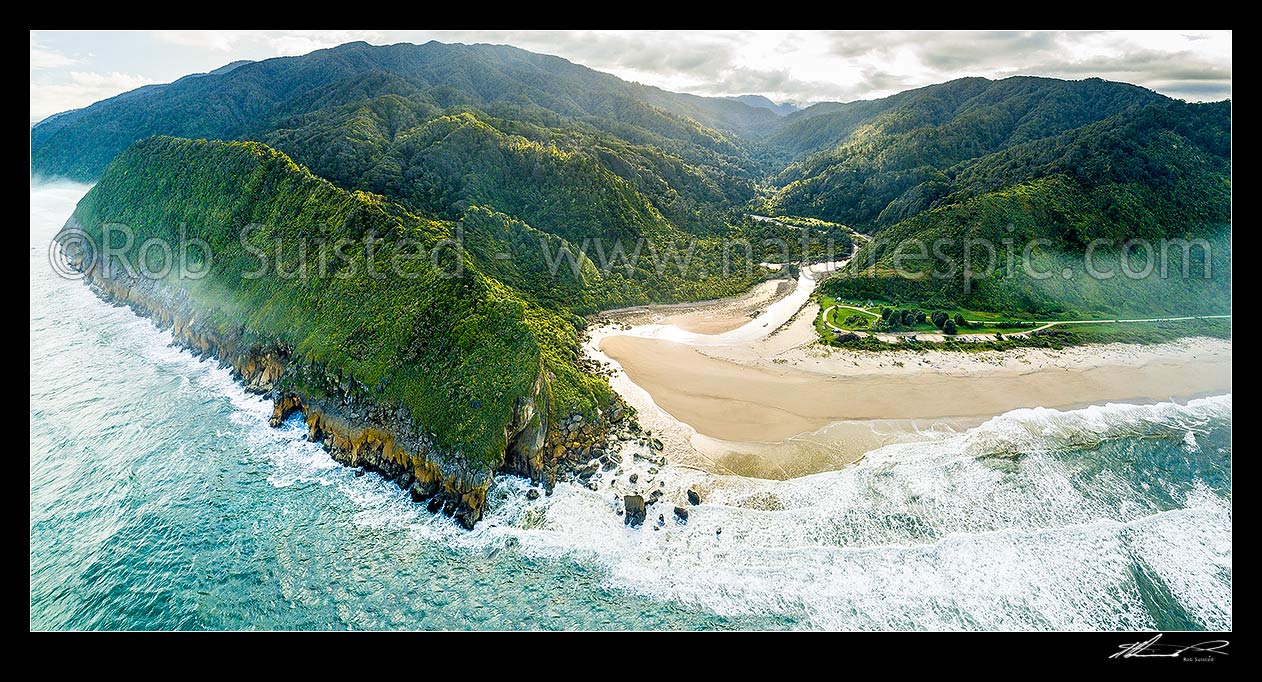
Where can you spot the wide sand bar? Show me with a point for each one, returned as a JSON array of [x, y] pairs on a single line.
[[755, 403]]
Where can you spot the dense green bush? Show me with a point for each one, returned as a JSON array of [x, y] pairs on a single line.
[[890, 159], [458, 351], [531, 157]]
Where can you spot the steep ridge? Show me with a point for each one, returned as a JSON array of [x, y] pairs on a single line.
[[1160, 174], [246, 100], [436, 377], [885, 160]]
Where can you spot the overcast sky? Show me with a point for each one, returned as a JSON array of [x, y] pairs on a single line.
[[71, 69]]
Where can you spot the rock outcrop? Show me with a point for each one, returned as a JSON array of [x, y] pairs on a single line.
[[681, 515], [636, 510]]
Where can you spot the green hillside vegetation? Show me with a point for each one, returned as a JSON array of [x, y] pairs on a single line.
[[538, 156], [872, 276], [1058, 337], [613, 169], [900, 161], [251, 99], [439, 161], [1154, 173], [456, 351]]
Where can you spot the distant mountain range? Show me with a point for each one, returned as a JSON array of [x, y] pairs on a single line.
[[761, 102]]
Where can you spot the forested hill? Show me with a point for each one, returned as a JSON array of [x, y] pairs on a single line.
[[404, 354], [882, 161], [1154, 173], [250, 99], [547, 149], [557, 148], [1023, 161], [434, 338]]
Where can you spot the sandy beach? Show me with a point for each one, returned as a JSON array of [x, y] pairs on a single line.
[[727, 400], [782, 405], [706, 317]]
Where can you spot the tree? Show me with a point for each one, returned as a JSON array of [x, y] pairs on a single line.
[[921, 317], [960, 321], [949, 328], [885, 313], [939, 318], [894, 319], [909, 318]]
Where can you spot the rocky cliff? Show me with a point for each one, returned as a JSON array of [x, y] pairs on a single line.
[[438, 383], [359, 432]]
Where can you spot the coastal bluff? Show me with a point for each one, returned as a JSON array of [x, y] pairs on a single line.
[[437, 381]]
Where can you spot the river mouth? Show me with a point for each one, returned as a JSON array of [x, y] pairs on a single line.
[[763, 400], [707, 317]]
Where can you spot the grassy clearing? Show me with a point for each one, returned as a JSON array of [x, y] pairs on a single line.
[[1060, 336], [868, 318]]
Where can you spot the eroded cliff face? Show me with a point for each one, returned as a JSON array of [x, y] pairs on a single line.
[[358, 435], [357, 430]]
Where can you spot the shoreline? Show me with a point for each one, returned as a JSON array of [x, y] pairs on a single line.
[[782, 405], [714, 316], [729, 400]]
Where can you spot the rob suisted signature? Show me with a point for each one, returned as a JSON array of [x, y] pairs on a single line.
[[1153, 648]]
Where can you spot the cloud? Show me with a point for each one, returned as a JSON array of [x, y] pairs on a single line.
[[805, 66], [223, 41], [646, 52], [271, 43], [1195, 91], [854, 44], [79, 89], [45, 58], [1181, 65], [950, 50], [692, 54], [1166, 61]]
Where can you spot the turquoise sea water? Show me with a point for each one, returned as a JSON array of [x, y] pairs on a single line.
[[160, 499]]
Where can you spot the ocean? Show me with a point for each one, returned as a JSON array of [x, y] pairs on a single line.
[[161, 500]]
